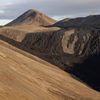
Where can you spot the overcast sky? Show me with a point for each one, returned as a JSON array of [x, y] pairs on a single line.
[[58, 9]]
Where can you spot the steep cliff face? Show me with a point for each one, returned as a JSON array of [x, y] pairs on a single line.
[[81, 42], [65, 46]]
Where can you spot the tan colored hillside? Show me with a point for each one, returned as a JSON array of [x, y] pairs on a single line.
[[22, 78], [31, 21], [32, 17]]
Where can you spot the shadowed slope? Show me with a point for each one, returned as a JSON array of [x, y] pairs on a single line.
[[89, 21], [89, 71]]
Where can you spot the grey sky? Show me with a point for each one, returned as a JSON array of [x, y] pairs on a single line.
[[10, 9]]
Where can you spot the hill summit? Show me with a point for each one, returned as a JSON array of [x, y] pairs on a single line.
[[32, 17]]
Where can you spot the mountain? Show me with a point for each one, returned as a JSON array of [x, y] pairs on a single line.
[[89, 21], [26, 77], [74, 47], [75, 50], [32, 17], [30, 21]]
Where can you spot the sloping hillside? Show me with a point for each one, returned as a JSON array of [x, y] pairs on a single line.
[[25, 79], [74, 50]]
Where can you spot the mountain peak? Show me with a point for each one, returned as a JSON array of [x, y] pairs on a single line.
[[32, 17], [32, 12]]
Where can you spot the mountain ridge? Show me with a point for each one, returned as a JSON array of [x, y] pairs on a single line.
[[88, 21]]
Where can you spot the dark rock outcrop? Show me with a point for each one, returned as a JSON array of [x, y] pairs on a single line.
[[74, 50], [68, 46]]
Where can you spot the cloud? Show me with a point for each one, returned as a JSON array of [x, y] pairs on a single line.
[[58, 9], [2, 11], [4, 21]]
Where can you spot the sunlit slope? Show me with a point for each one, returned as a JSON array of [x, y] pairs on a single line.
[[32, 17], [22, 78]]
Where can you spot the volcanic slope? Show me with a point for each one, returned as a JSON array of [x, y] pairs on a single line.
[[23, 78], [89, 22]]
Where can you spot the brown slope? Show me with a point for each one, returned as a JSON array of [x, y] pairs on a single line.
[[32, 17], [25, 79]]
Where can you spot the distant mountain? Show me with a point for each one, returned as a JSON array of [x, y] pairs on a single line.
[[89, 21], [32, 17]]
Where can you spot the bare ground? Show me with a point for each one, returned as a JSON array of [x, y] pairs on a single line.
[[22, 78]]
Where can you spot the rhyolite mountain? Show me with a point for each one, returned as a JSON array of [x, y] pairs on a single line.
[[32, 17]]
